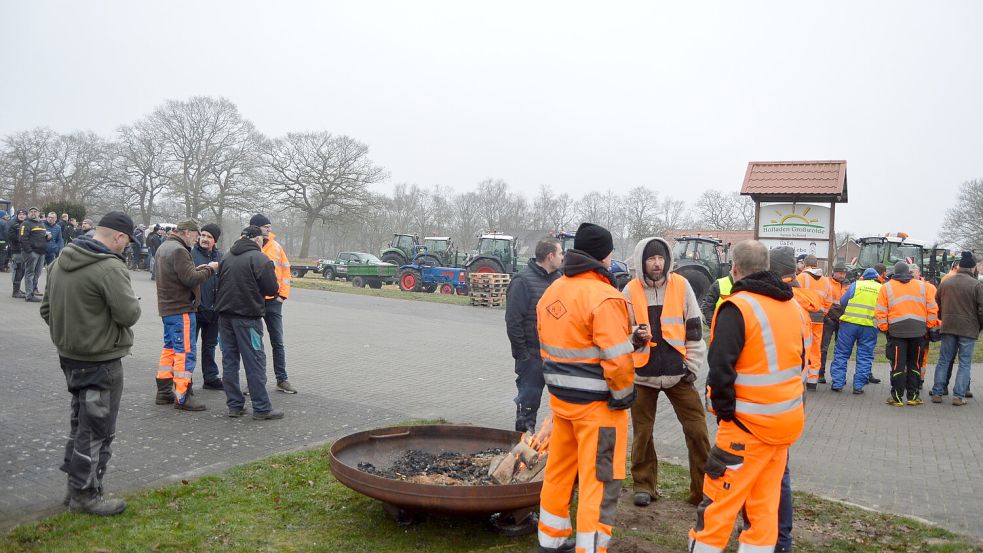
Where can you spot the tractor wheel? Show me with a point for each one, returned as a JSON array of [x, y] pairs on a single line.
[[375, 284], [298, 273], [409, 280], [328, 274], [486, 266], [426, 260], [358, 282], [446, 289], [394, 258], [698, 280]]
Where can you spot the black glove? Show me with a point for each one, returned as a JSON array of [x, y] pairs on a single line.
[[935, 335], [623, 403]]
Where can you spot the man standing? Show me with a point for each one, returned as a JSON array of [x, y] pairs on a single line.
[[930, 292], [86, 228], [716, 294], [669, 350], [274, 304], [245, 277], [831, 324], [33, 244], [153, 242], [89, 282], [520, 324], [856, 327], [16, 252], [4, 249], [811, 278], [204, 252], [55, 240], [960, 300], [178, 295], [756, 354], [587, 364], [905, 313]]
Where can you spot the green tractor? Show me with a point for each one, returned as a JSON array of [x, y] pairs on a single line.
[[402, 249], [889, 249], [496, 253], [700, 260], [437, 251]]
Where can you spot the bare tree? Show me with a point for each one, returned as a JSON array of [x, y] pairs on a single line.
[[322, 175], [672, 215], [137, 168], [721, 211], [235, 177], [641, 213], [26, 165], [77, 166], [963, 222]]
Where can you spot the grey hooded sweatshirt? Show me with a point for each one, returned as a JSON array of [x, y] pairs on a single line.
[[654, 375]]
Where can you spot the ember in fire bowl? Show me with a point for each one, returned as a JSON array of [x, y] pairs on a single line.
[[381, 446]]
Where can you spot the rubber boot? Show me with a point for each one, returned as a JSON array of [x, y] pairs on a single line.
[[165, 391], [90, 501]]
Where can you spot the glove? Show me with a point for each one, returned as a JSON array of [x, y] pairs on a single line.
[[935, 335], [623, 403]]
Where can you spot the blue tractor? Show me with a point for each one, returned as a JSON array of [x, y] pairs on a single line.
[[618, 268], [426, 278]]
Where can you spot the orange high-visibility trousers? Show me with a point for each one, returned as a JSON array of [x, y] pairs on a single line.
[[742, 471], [814, 353], [589, 445], [178, 356]]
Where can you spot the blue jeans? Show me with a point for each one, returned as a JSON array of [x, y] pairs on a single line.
[[529, 382], [785, 513], [243, 339], [849, 334], [274, 325], [951, 346]]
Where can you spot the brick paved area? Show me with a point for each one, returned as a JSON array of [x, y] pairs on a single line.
[[361, 362]]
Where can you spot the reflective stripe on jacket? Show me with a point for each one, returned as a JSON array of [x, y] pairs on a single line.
[[820, 285], [725, 283], [904, 310], [584, 338], [672, 320], [860, 309], [810, 300], [769, 369], [281, 265]]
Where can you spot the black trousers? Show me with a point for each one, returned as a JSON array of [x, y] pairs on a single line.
[[96, 391], [830, 328], [904, 355], [207, 328]]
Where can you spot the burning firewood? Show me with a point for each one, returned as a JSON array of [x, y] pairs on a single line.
[[526, 461]]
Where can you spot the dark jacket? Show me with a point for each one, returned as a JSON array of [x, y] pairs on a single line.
[[245, 278], [88, 283], [33, 236], [68, 232], [178, 279], [13, 235], [960, 299], [57, 242], [209, 288], [520, 309], [154, 242], [728, 340]]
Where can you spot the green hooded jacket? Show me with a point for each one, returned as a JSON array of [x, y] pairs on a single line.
[[88, 304]]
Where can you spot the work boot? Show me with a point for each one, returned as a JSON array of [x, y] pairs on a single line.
[[189, 404], [165, 391], [873, 380], [936, 399], [32, 298], [213, 385], [968, 395], [811, 386], [822, 380], [569, 545], [268, 416], [90, 501], [958, 401], [17, 294], [286, 387]]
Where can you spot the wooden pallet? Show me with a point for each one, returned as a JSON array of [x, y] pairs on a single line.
[[489, 278], [487, 302], [482, 294]]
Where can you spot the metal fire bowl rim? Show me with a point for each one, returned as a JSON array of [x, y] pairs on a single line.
[[433, 497]]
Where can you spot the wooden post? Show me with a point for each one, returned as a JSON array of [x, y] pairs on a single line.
[[832, 238]]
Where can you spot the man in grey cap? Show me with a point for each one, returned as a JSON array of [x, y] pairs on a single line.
[[178, 297]]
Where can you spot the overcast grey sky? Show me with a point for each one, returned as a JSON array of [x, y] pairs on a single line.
[[579, 96]]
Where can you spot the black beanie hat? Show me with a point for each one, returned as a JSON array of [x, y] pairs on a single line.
[[655, 247], [781, 261], [967, 261], [594, 240], [213, 229], [259, 220]]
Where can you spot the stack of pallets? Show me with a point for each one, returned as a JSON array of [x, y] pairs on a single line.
[[488, 289]]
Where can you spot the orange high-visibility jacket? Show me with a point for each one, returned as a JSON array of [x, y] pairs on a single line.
[[769, 369], [837, 289], [810, 300], [820, 285], [584, 338], [281, 265], [672, 320], [905, 310]]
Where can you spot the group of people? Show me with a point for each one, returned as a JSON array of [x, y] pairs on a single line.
[[606, 356], [32, 243], [200, 292]]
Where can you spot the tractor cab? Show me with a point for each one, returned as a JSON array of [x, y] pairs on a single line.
[[437, 251], [496, 253], [402, 248], [701, 260], [887, 249]]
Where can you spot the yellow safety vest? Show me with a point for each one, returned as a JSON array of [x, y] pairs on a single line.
[[860, 309], [725, 284]]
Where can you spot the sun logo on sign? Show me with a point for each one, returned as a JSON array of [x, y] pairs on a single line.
[[782, 219]]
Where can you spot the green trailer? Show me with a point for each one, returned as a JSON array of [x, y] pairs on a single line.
[[359, 268]]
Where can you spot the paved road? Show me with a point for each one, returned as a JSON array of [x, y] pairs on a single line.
[[361, 362]]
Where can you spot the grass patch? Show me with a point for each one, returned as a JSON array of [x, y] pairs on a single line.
[[292, 503], [313, 281]]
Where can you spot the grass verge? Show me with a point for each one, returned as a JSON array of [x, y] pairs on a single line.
[[292, 503]]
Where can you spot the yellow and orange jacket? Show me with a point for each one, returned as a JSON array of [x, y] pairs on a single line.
[[281, 265], [905, 308], [584, 336], [756, 359]]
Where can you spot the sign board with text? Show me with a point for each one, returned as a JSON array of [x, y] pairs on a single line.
[[795, 222], [818, 248]]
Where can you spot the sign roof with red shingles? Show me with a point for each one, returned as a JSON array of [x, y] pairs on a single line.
[[791, 180]]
